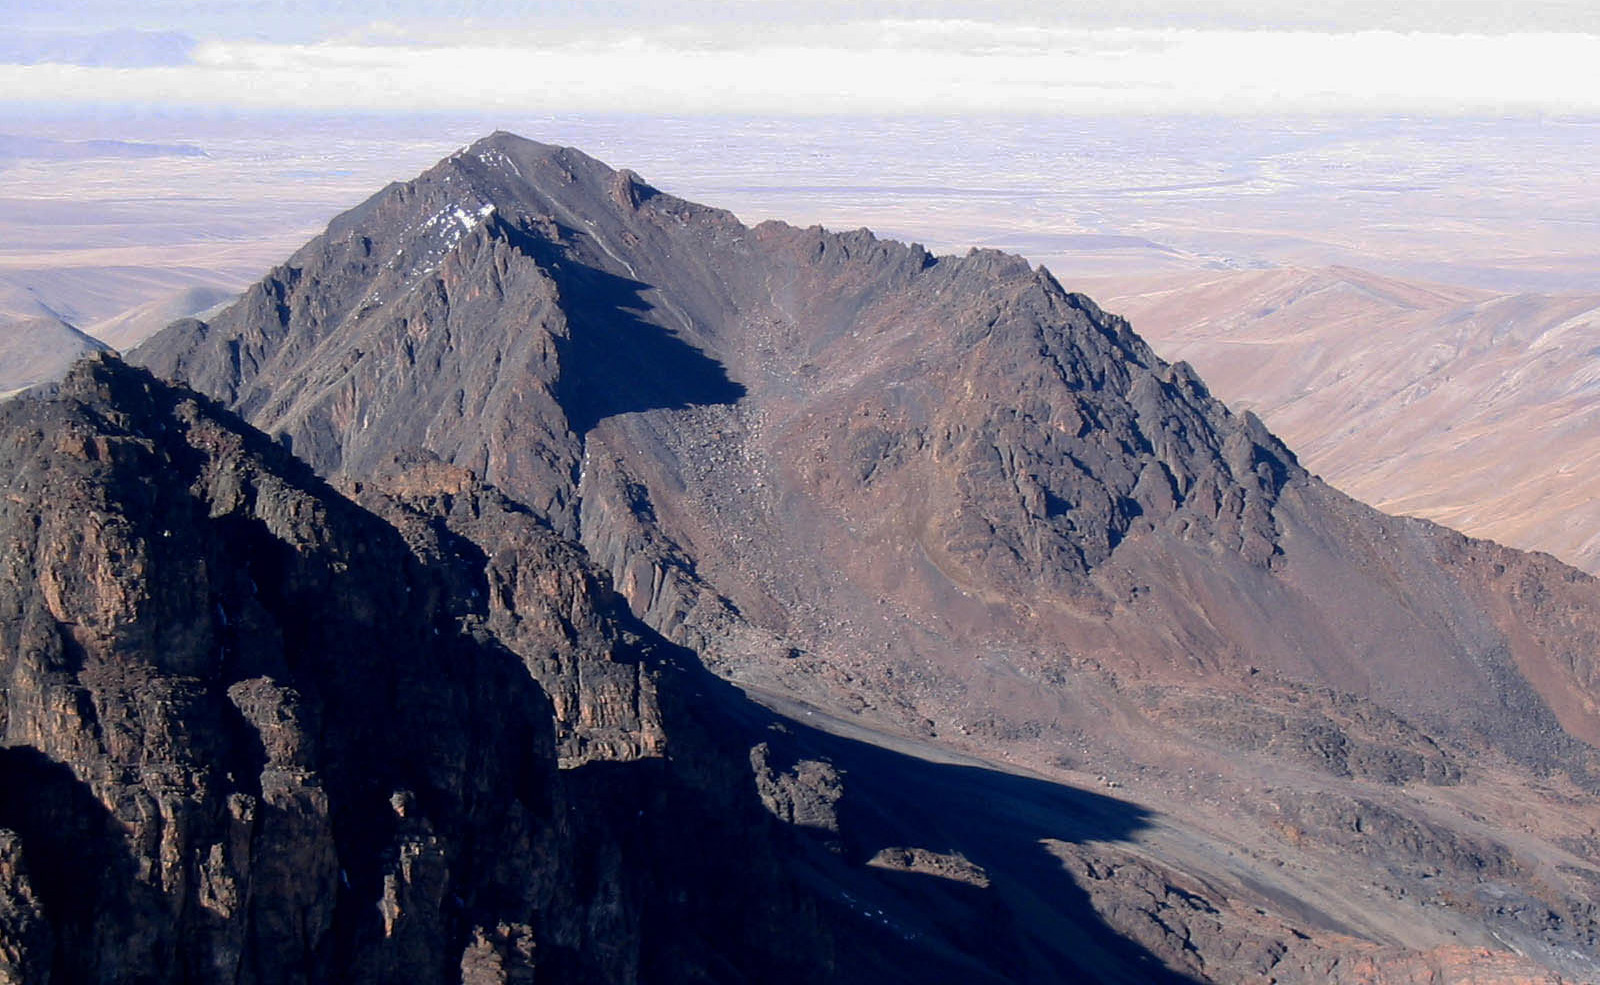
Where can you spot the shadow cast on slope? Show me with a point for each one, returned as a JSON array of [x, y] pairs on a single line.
[[78, 865], [1034, 920], [436, 808], [1026, 921], [614, 360]]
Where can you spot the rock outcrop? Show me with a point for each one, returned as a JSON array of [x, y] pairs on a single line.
[[255, 732]]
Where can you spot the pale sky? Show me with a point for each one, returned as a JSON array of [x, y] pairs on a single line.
[[820, 56]]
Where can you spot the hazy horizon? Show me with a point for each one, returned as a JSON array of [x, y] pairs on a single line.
[[1499, 203], [786, 57]]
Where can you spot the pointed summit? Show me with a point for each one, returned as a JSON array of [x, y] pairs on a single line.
[[486, 311]]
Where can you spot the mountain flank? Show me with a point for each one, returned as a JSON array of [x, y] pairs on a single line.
[[258, 730], [38, 344]]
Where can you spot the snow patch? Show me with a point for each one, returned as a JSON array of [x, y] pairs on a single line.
[[496, 158]]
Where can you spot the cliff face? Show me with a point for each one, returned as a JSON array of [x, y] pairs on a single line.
[[257, 733]]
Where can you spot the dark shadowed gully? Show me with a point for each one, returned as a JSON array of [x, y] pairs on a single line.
[[957, 636]]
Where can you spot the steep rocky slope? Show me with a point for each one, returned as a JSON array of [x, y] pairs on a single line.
[[255, 732], [954, 505], [835, 434]]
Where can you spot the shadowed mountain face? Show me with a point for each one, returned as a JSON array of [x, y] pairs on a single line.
[[944, 501]]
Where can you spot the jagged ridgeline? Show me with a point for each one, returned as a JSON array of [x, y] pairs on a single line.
[[354, 701]]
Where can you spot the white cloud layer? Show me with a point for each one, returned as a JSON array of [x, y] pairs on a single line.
[[947, 66]]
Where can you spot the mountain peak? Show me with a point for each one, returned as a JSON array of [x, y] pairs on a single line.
[[516, 165], [523, 148], [504, 140], [949, 499]]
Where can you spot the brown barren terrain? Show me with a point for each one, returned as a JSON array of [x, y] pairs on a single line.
[[1474, 408]]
